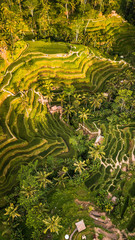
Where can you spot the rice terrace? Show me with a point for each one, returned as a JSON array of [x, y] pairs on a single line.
[[67, 119]]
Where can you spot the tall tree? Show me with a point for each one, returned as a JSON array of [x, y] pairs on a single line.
[[96, 101], [63, 6], [69, 110], [96, 152], [31, 5], [85, 99], [69, 91], [42, 177], [20, 5], [52, 224], [43, 19], [124, 99], [11, 212], [13, 26], [77, 27], [84, 114], [80, 166], [61, 98]]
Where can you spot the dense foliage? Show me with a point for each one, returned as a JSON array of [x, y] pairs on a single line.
[[67, 116], [62, 20]]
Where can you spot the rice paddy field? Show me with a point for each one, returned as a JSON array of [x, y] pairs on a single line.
[[29, 132]]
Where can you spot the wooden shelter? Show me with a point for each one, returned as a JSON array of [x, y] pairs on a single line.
[[80, 226]]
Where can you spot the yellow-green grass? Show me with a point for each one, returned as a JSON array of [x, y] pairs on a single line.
[[82, 67], [48, 48], [27, 129], [28, 133], [121, 33]]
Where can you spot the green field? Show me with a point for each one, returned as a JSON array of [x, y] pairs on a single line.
[[29, 132]]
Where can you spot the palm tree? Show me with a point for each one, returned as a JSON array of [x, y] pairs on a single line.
[[96, 152], [96, 101], [49, 96], [85, 98], [68, 110], [69, 91], [28, 191], [79, 166], [77, 100], [62, 178], [84, 114], [61, 99], [42, 178], [77, 97], [31, 5], [11, 212], [52, 224], [48, 85], [19, 3]]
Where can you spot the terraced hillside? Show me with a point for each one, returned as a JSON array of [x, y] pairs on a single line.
[[115, 174], [28, 131], [79, 65], [116, 30]]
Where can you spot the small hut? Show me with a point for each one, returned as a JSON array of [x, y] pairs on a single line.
[[56, 109], [80, 226]]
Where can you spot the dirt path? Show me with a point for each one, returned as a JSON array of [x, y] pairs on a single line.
[[106, 227]]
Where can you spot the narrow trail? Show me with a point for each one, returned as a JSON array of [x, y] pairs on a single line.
[[7, 119], [86, 129], [42, 55], [105, 227], [133, 155]]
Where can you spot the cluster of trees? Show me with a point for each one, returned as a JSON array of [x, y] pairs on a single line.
[[64, 20], [116, 104], [128, 10], [29, 212]]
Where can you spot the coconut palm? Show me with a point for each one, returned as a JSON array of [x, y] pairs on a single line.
[[79, 166], [48, 85], [28, 191], [85, 99], [31, 5], [84, 114], [61, 98], [69, 91], [77, 97], [49, 96], [124, 99], [42, 178], [61, 179], [20, 6], [96, 101], [77, 100], [68, 110], [96, 152], [52, 224], [11, 211]]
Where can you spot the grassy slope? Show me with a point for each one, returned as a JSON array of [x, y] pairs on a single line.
[[48, 48], [20, 135]]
